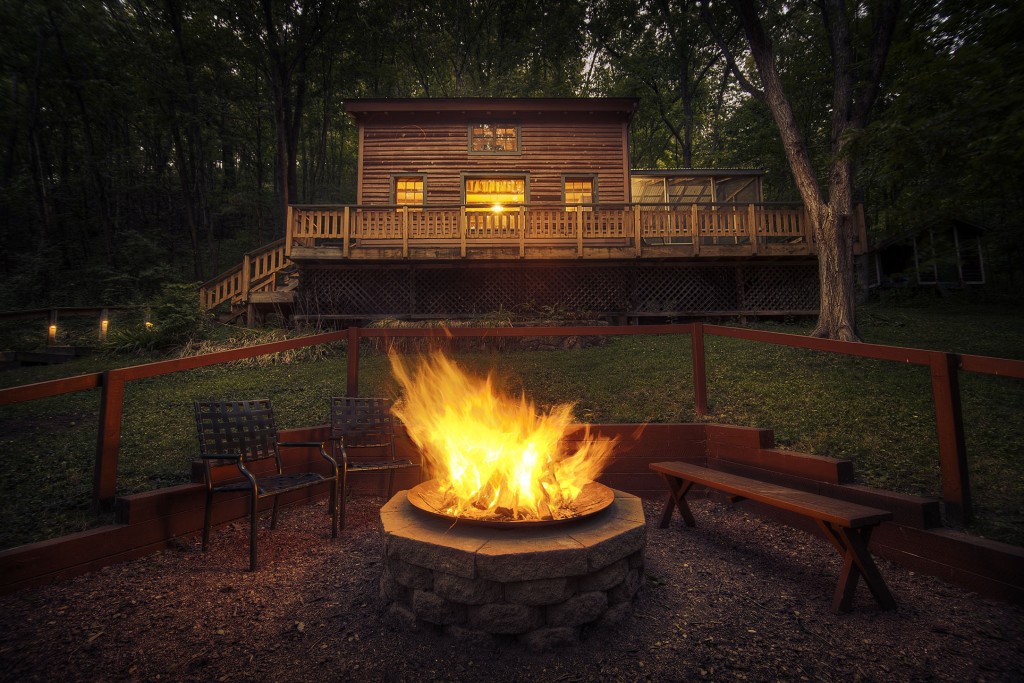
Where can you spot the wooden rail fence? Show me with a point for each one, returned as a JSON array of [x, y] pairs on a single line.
[[943, 367]]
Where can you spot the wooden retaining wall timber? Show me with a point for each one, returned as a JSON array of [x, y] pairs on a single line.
[[151, 521]]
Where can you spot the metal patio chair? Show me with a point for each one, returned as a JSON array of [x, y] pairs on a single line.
[[358, 423], [243, 434]]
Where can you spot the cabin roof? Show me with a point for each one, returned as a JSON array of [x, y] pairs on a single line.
[[361, 108]]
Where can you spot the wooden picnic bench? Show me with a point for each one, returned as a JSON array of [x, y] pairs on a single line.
[[846, 525]]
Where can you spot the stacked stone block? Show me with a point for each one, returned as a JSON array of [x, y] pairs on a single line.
[[538, 584]]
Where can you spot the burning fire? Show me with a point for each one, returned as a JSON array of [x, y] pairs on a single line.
[[493, 456]]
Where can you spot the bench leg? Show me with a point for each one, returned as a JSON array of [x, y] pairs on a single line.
[[852, 544], [676, 500]]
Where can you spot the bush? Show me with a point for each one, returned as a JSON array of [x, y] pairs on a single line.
[[177, 319]]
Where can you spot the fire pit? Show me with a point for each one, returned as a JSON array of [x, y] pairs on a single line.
[[540, 583], [513, 536]]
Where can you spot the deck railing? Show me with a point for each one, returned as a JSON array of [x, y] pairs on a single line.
[[636, 225], [256, 273], [638, 229]]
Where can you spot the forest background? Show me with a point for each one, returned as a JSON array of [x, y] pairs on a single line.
[[144, 142]]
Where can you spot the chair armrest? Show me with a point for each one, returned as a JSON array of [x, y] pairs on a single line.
[[235, 457], [300, 444]]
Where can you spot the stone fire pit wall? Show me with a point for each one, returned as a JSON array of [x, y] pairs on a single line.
[[540, 584]]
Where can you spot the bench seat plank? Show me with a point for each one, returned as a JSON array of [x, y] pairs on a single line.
[[847, 526], [844, 513]]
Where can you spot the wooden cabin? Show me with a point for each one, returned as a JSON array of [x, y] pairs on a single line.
[[468, 206]]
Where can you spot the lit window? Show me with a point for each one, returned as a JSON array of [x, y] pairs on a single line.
[[579, 191], [494, 194], [409, 191], [494, 138]]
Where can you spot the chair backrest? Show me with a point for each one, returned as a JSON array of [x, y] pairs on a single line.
[[245, 427], [363, 422]]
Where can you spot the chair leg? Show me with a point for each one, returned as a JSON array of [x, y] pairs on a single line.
[[273, 516], [341, 497], [391, 483], [207, 516], [253, 516], [334, 509]]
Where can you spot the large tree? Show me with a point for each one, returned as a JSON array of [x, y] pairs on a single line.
[[858, 36]]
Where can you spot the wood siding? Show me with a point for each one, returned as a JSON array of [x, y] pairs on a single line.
[[551, 147]]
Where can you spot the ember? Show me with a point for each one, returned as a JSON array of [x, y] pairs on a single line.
[[493, 457]]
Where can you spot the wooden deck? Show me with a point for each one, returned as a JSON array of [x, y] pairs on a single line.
[[593, 233]]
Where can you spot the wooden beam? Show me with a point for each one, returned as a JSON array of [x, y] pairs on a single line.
[[956, 490]]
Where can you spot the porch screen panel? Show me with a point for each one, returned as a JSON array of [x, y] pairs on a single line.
[[648, 190], [689, 190]]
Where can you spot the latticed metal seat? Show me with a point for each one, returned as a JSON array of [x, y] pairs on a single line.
[[357, 423], [243, 433]]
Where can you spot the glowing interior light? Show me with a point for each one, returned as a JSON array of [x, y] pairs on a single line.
[[497, 208]]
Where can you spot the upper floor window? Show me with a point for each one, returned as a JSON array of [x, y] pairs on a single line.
[[579, 191], [494, 138], [408, 190]]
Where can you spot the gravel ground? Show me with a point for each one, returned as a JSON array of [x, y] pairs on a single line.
[[736, 598]]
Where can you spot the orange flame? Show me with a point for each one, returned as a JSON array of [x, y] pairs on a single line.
[[493, 456]]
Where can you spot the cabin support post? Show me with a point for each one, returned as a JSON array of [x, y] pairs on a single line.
[[700, 380], [109, 443], [949, 423]]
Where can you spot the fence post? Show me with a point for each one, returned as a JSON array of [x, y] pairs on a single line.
[[109, 443], [352, 388], [949, 425], [700, 380]]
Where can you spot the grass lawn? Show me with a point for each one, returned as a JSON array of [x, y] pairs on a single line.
[[876, 413]]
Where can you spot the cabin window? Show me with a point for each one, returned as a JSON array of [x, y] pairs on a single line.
[[494, 138], [579, 191], [408, 191], [494, 194]]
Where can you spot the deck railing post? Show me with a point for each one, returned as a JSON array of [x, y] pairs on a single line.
[[246, 277], [752, 228], [578, 218], [352, 355], [700, 380], [956, 491], [289, 216], [522, 232], [346, 229], [109, 443], [636, 228], [462, 231], [405, 232], [695, 228]]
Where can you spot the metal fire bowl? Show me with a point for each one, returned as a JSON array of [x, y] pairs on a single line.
[[594, 498]]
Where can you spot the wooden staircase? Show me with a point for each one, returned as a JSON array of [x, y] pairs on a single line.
[[265, 280]]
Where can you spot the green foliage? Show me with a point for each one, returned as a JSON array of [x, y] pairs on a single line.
[[177, 320], [878, 414]]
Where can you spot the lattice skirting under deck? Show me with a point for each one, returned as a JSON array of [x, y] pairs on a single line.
[[629, 289]]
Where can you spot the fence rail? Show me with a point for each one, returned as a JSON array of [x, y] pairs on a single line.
[[944, 368]]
